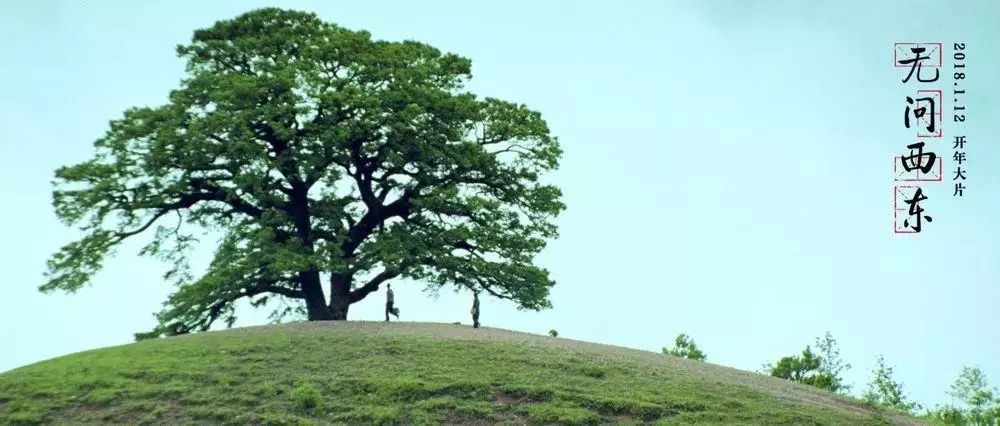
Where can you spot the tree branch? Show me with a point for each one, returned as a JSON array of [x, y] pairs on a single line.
[[364, 227], [373, 285], [217, 193]]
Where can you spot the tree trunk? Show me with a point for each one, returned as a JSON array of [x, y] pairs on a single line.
[[312, 289], [340, 296], [339, 308], [312, 286]]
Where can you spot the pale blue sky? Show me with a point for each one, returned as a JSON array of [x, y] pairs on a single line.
[[727, 172]]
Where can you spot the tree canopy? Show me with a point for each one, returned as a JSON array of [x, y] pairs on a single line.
[[980, 400], [328, 161], [883, 389], [685, 347], [803, 369], [822, 368]]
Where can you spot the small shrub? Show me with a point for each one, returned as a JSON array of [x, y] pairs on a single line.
[[946, 415], [553, 333], [307, 397]]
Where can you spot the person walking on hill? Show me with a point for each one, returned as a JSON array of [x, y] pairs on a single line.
[[475, 309], [390, 300]]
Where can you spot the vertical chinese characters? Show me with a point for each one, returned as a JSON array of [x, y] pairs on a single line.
[[922, 112]]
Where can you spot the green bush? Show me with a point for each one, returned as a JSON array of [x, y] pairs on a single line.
[[307, 397]]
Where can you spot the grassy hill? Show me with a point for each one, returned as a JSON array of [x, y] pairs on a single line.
[[363, 372]]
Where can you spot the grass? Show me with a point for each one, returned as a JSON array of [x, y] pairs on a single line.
[[402, 373]]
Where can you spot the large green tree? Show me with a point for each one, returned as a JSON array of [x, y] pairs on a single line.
[[329, 161]]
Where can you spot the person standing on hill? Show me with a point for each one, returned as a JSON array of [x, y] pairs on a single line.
[[390, 300], [475, 309]]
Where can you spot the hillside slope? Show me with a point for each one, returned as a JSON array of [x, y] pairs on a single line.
[[364, 372]]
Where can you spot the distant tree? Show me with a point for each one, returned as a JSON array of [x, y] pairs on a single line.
[[553, 333], [321, 155], [685, 347], [804, 369], [831, 364], [820, 369], [982, 406], [885, 391]]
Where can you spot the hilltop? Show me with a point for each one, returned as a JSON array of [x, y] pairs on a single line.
[[373, 372]]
